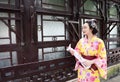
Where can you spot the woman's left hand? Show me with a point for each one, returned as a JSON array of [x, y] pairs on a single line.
[[88, 63]]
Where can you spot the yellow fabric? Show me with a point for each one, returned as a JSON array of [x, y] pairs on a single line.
[[93, 48], [83, 76]]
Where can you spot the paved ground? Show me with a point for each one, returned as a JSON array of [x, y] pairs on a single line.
[[115, 79]]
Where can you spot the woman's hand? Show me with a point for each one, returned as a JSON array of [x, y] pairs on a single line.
[[70, 49], [72, 52], [88, 63]]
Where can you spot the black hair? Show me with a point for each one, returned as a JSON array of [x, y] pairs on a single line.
[[93, 25]]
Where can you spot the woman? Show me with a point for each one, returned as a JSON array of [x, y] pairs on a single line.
[[92, 49]]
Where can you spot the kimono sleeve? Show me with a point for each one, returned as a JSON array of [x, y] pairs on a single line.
[[101, 61], [78, 47]]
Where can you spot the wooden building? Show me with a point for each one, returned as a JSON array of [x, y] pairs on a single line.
[[34, 35]]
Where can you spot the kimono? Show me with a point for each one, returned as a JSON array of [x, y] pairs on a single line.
[[95, 48]]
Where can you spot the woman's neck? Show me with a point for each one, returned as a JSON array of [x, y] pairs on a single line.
[[90, 36]]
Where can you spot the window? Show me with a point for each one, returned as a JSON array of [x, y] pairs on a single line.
[[7, 36], [90, 7], [60, 5], [113, 35], [51, 29], [113, 12], [12, 2], [52, 53], [8, 59]]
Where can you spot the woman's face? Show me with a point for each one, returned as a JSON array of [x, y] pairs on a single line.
[[86, 29]]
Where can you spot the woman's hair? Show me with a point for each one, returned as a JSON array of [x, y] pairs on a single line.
[[92, 24]]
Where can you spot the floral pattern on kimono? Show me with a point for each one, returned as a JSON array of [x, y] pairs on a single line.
[[96, 48]]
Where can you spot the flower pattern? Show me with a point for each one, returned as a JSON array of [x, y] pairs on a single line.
[[93, 48]]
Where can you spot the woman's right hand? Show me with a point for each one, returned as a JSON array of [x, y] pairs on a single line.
[[72, 52], [88, 63], [70, 49]]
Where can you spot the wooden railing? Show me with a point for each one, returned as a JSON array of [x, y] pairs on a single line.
[[113, 56], [58, 70], [48, 71]]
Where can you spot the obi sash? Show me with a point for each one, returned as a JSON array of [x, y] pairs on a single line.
[[93, 66]]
